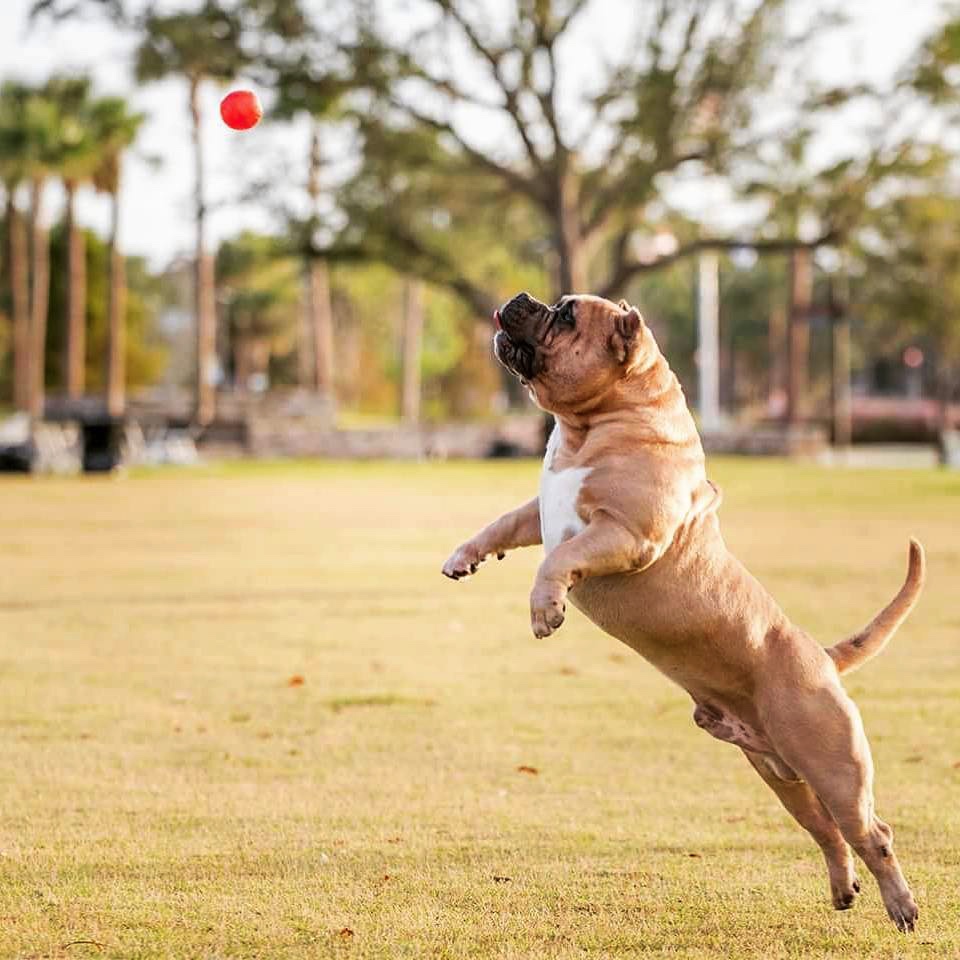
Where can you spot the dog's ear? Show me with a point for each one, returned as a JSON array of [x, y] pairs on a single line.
[[626, 332]]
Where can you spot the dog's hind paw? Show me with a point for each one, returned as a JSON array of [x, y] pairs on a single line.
[[844, 892], [903, 912]]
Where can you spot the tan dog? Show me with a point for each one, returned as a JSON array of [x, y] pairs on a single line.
[[628, 521]]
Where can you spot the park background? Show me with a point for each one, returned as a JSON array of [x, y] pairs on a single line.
[[785, 172], [243, 714]]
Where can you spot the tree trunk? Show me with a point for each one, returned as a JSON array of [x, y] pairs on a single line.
[[321, 312], [39, 298], [944, 391], [75, 320], [777, 362], [204, 279], [18, 273], [304, 341], [841, 412], [241, 363], [321, 315], [116, 317], [571, 265], [411, 350], [801, 299]]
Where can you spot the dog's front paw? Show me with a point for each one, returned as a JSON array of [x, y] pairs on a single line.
[[464, 561], [547, 608]]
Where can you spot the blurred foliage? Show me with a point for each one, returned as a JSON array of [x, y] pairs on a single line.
[[115, 128], [258, 289], [397, 184], [367, 314], [935, 72], [145, 354], [910, 282], [68, 9], [194, 44]]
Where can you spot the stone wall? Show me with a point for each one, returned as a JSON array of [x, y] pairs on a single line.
[[306, 437], [768, 441]]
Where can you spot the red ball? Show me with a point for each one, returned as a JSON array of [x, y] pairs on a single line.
[[241, 110]]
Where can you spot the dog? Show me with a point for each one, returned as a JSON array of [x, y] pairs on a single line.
[[628, 522]]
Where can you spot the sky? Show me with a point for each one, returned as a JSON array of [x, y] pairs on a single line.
[[156, 220]]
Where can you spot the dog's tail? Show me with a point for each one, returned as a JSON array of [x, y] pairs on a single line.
[[863, 646]]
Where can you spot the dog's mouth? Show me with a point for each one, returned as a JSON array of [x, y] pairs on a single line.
[[515, 344], [519, 357]]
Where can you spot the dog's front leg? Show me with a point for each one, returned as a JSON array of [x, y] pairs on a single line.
[[603, 547], [518, 528]]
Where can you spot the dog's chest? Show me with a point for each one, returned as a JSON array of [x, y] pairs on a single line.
[[559, 494]]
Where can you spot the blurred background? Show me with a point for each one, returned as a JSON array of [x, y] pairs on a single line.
[[774, 183]]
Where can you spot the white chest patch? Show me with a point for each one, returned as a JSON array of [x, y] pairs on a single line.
[[559, 493]]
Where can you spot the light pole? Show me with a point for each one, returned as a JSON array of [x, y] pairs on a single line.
[[708, 340]]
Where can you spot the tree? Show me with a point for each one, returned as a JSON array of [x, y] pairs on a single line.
[[42, 151], [13, 172], [829, 203], [115, 130], [199, 45], [910, 287], [144, 357], [684, 99], [78, 158], [284, 25]]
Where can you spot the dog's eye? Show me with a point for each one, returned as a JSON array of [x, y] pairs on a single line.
[[562, 315], [565, 316]]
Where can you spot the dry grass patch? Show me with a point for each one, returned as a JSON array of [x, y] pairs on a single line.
[[168, 791]]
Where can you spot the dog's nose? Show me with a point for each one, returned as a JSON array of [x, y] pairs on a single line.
[[522, 305], [518, 313]]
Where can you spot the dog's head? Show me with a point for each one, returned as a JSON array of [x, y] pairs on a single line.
[[571, 354]]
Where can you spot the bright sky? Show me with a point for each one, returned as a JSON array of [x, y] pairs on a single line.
[[157, 219]]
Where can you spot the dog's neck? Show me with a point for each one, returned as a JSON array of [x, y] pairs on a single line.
[[647, 402]]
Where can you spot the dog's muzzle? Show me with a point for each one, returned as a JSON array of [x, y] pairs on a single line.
[[515, 343]]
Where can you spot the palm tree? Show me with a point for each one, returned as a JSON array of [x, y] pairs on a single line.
[[303, 92], [42, 155], [197, 46], [79, 156], [318, 279], [13, 169], [115, 128]]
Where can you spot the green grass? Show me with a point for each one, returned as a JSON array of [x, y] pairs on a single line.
[[167, 788]]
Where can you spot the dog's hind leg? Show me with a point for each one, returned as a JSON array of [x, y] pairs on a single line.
[[822, 738], [805, 807]]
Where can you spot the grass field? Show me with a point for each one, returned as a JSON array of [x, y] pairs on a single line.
[[440, 784]]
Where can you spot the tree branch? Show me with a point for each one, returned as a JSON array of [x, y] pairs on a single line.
[[391, 243], [575, 8], [529, 187], [494, 59], [434, 267], [442, 85], [548, 104], [625, 270], [608, 198], [547, 37]]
